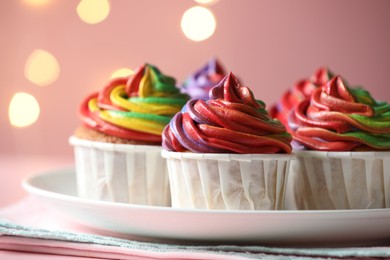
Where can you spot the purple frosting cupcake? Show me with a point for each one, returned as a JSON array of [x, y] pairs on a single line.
[[198, 85]]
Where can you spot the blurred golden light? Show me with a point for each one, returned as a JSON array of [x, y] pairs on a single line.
[[23, 110], [198, 23], [93, 11], [36, 2], [206, 2], [123, 72], [41, 68]]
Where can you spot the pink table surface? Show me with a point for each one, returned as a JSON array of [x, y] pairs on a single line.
[[11, 255], [14, 168], [12, 171]]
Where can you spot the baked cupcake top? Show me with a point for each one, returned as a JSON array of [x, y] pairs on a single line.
[[339, 118], [231, 121], [136, 107], [300, 91], [198, 84]]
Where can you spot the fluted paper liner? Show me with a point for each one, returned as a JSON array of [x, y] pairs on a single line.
[[227, 181], [340, 180], [126, 173]]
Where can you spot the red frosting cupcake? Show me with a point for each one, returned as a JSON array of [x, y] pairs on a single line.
[[300, 91]]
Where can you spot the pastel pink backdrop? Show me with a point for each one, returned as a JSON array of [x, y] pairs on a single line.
[[269, 44]]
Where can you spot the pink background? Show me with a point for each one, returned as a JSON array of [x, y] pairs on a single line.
[[269, 44]]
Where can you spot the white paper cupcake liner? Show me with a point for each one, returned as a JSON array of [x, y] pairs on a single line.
[[340, 180], [126, 173], [227, 181]]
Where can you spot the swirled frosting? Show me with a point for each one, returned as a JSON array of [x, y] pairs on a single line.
[[231, 121], [340, 118], [300, 91], [199, 83], [135, 108]]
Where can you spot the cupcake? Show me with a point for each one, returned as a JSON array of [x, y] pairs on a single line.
[[346, 160], [198, 84], [118, 147], [300, 91], [227, 152]]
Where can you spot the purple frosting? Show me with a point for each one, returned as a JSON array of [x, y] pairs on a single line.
[[198, 85]]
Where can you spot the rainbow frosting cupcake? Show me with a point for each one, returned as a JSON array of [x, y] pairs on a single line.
[[346, 161], [117, 149], [227, 152]]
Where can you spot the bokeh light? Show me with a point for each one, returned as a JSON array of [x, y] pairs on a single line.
[[198, 23], [23, 110], [36, 2], [123, 72], [41, 68], [206, 2], [93, 11]]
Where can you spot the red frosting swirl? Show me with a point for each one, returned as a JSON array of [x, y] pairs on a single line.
[[300, 91], [231, 121]]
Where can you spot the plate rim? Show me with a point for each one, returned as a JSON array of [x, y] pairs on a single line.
[[273, 227], [32, 189]]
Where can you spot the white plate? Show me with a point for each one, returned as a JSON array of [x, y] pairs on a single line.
[[58, 190]]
